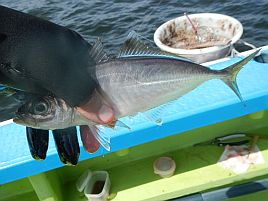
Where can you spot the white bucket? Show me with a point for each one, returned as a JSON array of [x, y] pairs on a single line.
[[218, 24]]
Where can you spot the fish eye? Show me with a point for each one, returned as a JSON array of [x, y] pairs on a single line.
[[40, 108]]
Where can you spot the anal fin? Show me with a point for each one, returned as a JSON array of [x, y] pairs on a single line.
[[153, 117]]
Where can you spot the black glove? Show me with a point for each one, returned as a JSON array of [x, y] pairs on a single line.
[[67, 145], [38, 56], [41, 57], [65, 139], [37, 142]]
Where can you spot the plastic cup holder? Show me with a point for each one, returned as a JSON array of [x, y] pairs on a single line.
[[164, 167], [96, 185]]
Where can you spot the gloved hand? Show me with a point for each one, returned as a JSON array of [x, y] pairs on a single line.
[[65, 139], [66, 143], [38, 56], [41, 57]]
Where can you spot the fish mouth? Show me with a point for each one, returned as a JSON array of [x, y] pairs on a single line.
[[18, 120], [22, 120]]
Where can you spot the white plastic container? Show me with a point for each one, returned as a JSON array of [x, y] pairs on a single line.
[[96, 185], [219, 24], [164, 167], [83, 180]]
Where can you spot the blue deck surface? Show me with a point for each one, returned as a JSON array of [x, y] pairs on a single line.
[[210, 103]]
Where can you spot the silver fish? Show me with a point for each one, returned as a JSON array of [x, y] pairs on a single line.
[[139, 79]]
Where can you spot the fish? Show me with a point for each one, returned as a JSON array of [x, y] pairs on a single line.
[[138, 79]]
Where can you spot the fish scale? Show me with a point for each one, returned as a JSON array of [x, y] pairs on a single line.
[[148, 81]]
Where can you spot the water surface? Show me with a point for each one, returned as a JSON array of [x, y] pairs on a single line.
[[113, 19]]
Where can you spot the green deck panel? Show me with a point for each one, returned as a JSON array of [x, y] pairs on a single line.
[[174, 142], [29, 196], [136, 180], [131, 170], [47, 186], [15, 189], [196, 170]]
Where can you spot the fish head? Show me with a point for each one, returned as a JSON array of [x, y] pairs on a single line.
[[46, 112]]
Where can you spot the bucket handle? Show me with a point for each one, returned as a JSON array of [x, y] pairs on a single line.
[[234, 52]]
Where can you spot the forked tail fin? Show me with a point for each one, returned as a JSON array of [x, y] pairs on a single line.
[[232, 71]]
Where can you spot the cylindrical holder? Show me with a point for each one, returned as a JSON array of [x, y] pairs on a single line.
[[164, 167], [98, 186], [83, 180]]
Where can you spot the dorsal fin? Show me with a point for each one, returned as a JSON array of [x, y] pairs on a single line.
[[97, 52], [133, 46]]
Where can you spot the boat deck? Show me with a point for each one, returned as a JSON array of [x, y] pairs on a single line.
[[212, 102]]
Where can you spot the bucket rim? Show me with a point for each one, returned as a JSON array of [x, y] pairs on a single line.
[[180, 51]]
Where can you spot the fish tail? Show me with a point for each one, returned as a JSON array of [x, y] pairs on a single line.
[[232, 71]]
